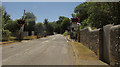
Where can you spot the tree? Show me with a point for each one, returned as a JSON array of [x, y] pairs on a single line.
[[73, 15], [5, 16], [65, 24], [98, 14], [62, 24], [50, 28], [39, 29], [30, 22], [12, 26], [81, 11], [45, 22], [29, 15]]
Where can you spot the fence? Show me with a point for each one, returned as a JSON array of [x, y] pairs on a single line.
[[104, 42]]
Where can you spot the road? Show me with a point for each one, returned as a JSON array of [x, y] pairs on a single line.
[[52, 50]]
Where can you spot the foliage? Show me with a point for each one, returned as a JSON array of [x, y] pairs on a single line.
[[45, 22], [62, 24], [30, 25], [97, 14], [5, 35], [29, 15], [30, 22], [30, 37], [6, 17], [39, 28], [66, 33], [49, 27], [65, 24], [11, 26], [73, 15]]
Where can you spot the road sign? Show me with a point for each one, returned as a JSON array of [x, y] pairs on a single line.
[[75, 20], [74, 25], [21, 22]]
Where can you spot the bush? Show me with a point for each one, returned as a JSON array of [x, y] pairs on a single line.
[[65, 33], [5, 35]]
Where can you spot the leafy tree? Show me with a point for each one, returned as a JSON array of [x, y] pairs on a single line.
[[5, 35], [81, 11], [98, 14], [30, 22], [6, 17], [12, 26], [65, 24], [57, 27], [45, 22], [40, 28], [29, 15], [50, 28], [73, 15]]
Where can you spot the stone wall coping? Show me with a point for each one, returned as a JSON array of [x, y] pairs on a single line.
[[90, 29], [115, 27]]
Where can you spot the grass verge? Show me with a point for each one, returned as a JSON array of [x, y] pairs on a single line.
[[83, 52]]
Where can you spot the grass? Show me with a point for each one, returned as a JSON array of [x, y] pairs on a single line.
[[83, 52], [30, 37], [12, 40], [65, 33], [12, 37]]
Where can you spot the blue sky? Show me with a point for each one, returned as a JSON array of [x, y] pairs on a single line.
[[42, 10]]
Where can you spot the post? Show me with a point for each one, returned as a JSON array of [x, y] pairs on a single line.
[[21, 23]]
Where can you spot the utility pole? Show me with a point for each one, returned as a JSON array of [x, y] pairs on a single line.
[[21, 22]]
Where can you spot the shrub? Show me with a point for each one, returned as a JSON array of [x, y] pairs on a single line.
[[65, 33], [5, 35]]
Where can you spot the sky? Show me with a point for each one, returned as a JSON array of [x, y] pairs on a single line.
[[43, 0], [42, 10]]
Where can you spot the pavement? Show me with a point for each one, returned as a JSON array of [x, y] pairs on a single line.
[[52, 50]]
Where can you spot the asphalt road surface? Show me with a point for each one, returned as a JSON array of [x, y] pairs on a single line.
[[52, 50]]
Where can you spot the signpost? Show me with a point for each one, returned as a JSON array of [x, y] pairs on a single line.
[[74, 22], [74, 27], [21, 22]]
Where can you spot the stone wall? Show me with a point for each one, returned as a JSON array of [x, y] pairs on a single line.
[[104, 42], [115, 46], [90, 38], [84, 37]]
